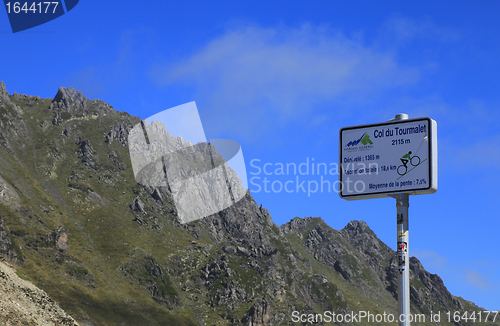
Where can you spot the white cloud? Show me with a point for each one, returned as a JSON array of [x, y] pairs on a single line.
[[481, 154], [258, 78], [404, 29], [469, 138], [430, 259], [476, 280], [459, 271]]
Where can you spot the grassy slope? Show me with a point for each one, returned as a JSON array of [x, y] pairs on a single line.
[[85, 279]]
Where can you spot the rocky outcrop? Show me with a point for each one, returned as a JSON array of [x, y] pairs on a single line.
[[12, 126], [259, 314], [59, 237], [70, 104], [145, 271], [3, 89], [119, 134], [86, 151], [8, 194], [70, 99]]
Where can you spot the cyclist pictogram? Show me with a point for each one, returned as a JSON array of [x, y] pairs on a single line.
[[414, 160]]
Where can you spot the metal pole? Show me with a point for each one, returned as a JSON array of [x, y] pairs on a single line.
[[402, 204]]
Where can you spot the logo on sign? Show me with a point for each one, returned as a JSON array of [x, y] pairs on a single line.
[[364, 139], [363, 143]]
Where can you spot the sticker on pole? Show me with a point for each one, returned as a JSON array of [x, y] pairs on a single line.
[[385, 159]]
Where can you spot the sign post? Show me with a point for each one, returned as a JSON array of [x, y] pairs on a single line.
[[402, 204], [396, 159]]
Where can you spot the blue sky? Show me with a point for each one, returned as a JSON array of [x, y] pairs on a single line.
[[283, 77]]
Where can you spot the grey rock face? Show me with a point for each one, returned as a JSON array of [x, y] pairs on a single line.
[[71, 99], [138, 205], [58, 238], [119, 133], [3, 89], [12, 127], [200, 180], [86, 152], [70, 104], [8, 195]]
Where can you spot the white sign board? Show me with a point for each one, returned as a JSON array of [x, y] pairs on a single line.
[[385, 159]]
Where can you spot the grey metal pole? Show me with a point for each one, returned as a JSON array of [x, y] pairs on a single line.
[[402, 204]]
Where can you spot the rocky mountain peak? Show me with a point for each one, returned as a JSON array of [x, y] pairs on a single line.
[[298, 224], [359, 232], [4, 96], [354, 228], [71, 104], [71, 98], [3, 90]]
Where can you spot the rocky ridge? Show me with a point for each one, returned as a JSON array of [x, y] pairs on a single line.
[[111, 251]]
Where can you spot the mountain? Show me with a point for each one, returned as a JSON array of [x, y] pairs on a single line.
[[111, 251]]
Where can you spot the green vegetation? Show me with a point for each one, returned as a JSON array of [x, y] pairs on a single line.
[[23, 276]]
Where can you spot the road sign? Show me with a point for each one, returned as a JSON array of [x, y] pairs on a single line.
[[390, 158], [396, 159]]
